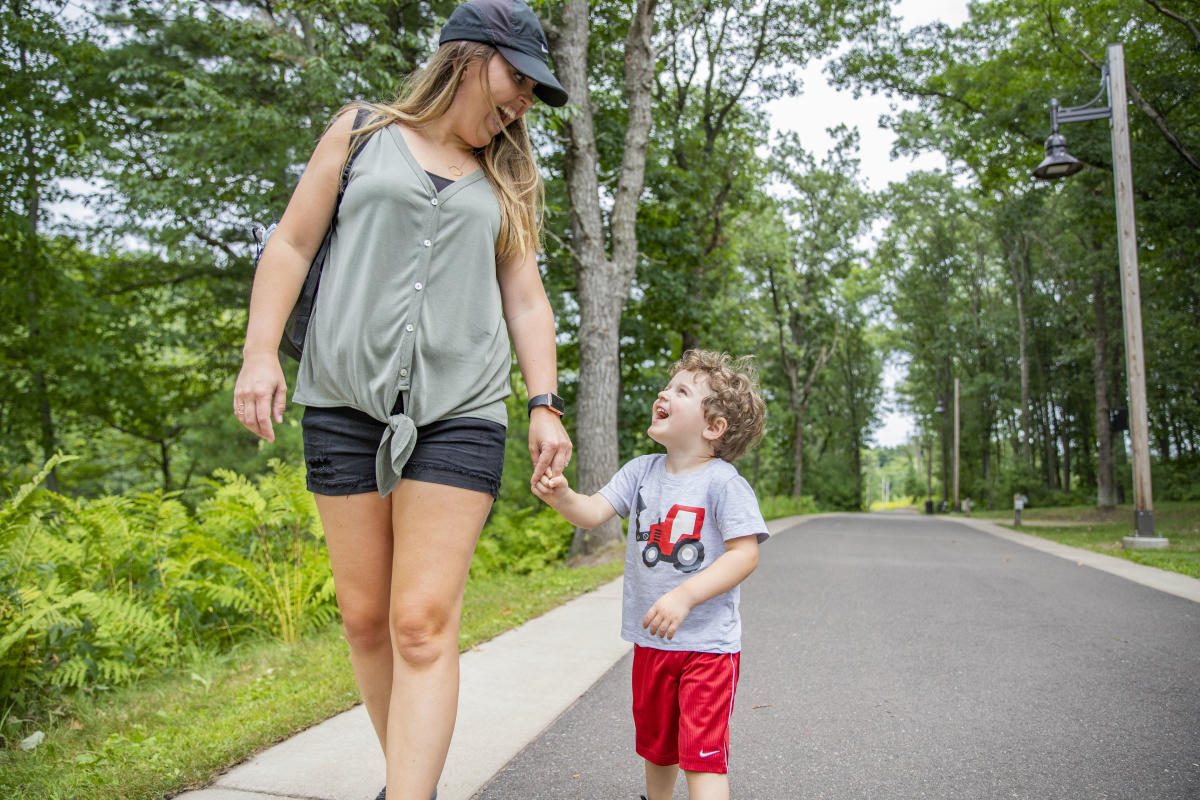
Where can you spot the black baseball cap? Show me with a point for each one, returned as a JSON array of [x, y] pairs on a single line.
[[513, 29]]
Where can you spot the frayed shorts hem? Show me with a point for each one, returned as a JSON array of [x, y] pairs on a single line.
[[340, 446]]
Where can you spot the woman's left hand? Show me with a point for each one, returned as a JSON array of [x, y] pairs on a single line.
[[549, 444]]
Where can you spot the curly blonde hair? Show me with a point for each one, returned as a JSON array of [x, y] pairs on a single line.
[[733, 383]]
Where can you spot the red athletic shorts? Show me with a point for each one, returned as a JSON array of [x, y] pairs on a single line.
[[682, 702]]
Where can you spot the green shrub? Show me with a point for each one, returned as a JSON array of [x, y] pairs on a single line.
[[521, 540], [260, 551], [1178, 479], [784, 505], [74, 611], [100, 592]]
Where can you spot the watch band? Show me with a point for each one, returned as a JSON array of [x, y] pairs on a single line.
[[550, 401]]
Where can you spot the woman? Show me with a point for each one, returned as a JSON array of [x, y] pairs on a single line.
[[431, 271]]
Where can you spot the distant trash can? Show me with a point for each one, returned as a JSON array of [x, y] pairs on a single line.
[[928, 506]]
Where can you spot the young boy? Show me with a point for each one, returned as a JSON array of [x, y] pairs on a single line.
[[693, 538]]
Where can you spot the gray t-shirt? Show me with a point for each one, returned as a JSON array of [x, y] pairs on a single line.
[[679, 526]]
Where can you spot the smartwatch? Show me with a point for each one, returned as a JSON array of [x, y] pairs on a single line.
[[551, 401]]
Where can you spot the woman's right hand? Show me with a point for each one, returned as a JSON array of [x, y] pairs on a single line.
[[260, 394]]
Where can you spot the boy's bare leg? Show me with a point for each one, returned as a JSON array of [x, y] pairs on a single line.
[[660, 781], [707, 785]]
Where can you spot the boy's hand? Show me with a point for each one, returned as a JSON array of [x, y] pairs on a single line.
[[551, 488], [584, 511], [667, 614]]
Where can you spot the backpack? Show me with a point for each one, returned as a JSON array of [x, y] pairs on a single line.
[[294, 330]]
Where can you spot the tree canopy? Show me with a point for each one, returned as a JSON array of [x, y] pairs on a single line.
[[143, 139]]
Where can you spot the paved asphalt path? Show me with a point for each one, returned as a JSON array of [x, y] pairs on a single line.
[[898, 656]]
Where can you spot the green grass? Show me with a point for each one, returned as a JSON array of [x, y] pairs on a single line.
[[1102, 530], [178, 730]]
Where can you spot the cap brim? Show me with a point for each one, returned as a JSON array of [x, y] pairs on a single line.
[[548, 89]]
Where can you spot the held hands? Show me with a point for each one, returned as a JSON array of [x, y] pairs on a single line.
[[552, 489], [549, 445], [260, 394], [667, 614], [585, 511]]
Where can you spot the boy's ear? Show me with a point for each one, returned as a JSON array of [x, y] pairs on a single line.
[[716, 429]]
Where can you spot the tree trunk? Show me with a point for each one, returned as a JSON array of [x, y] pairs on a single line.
[[1049, 440], [929, 469], [948, 409], [1016, 259], [945, 462], [858, 476], [164, 461], [800, 409], [33, 269], [603, 282], [1064, 435], [1121, 467], [987, 465], [1105, 496], [798, 458]]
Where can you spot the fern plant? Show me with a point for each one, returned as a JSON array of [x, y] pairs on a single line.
[[22, 606], [521, 540], [101, 591], [73, 576], [264, 552]]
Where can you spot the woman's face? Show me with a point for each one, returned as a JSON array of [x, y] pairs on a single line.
[[511, 96]]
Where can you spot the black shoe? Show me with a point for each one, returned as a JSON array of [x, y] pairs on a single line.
[[383, 794]]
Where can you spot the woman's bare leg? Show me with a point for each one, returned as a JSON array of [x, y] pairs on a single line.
[[358, 534], [435, 528]]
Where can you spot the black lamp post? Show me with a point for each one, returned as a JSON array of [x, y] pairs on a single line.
[[1059, 164]]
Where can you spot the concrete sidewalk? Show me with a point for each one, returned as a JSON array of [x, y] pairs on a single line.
[[1169, 582], [512, 687], [516, 685]]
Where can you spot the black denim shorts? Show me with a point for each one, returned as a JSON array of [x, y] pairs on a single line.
[[340, 445]]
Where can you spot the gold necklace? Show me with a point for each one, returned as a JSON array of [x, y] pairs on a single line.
[[456, 170]]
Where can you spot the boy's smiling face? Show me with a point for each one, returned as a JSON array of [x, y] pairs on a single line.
[[677, 417]]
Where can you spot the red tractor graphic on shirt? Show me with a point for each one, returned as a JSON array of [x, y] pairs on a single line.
[[675, 539]]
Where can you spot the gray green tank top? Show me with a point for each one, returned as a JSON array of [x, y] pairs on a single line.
[[409, 303]]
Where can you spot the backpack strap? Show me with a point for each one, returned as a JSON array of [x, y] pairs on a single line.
[[357, 142]]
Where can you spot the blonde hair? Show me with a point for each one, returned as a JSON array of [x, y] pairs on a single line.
[[734, 397], [507, 160]]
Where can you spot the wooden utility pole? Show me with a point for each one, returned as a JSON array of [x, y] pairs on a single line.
[[956, 504], [1135, 364], [1059, 164]]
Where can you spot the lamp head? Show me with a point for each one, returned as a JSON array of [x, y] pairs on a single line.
[[1058, 163]]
